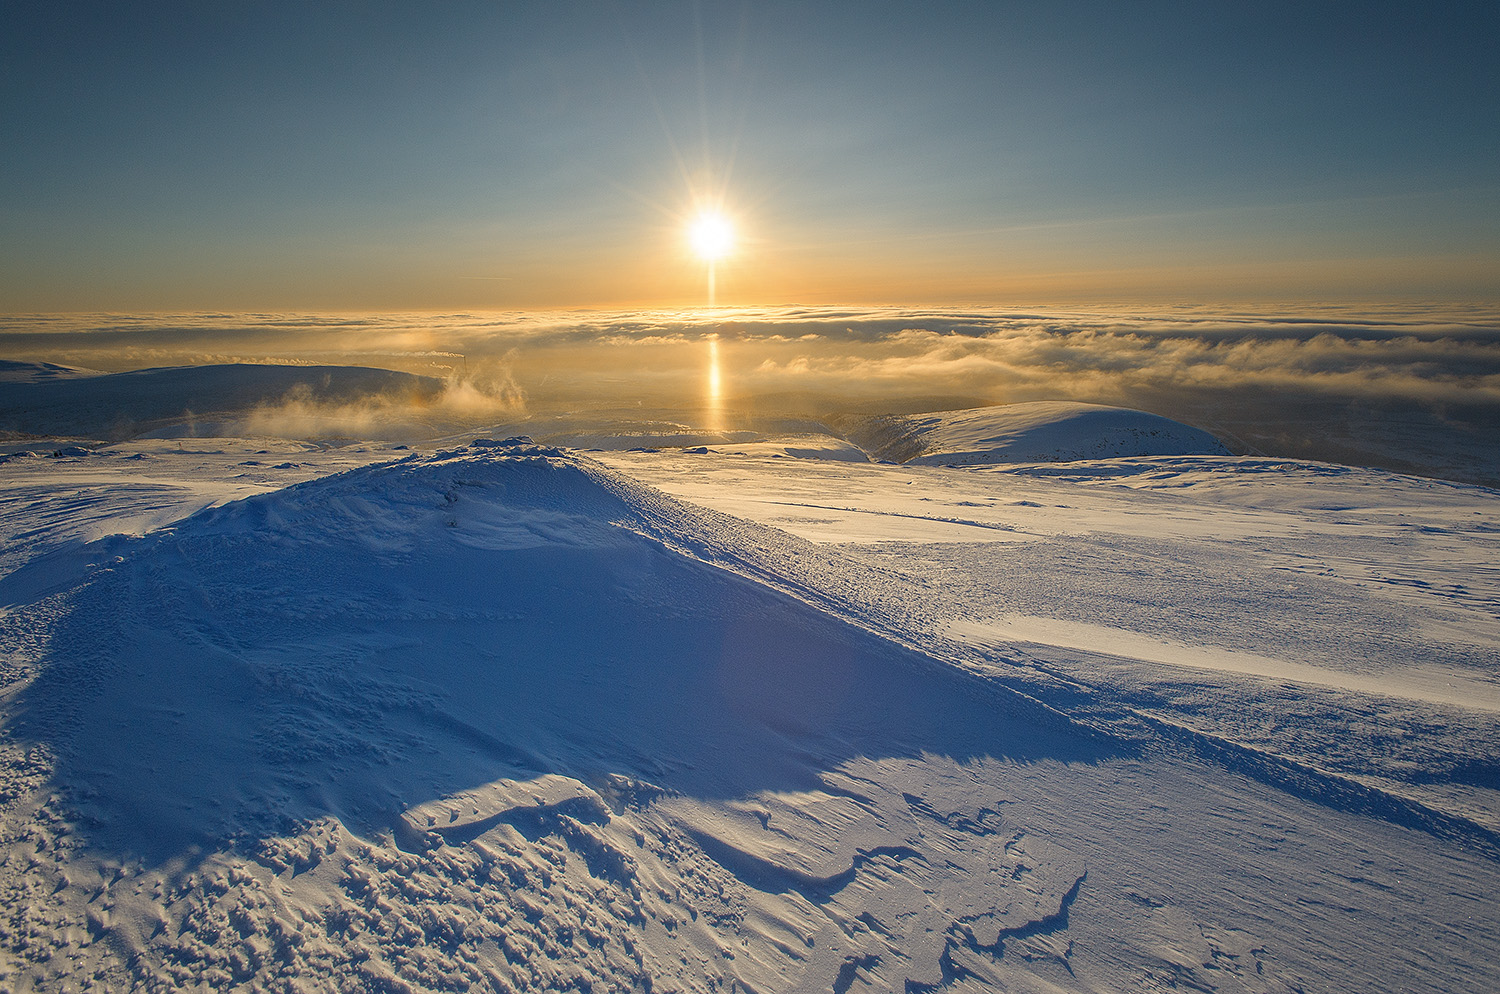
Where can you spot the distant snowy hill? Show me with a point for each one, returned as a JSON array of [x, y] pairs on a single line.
[[124, 405], [1041, 431], [12, 371]]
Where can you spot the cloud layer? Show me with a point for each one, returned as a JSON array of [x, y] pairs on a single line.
[[834, 359], [1412, 389]]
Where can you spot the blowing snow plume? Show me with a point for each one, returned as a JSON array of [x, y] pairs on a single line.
[[246, 399], [455, 404]]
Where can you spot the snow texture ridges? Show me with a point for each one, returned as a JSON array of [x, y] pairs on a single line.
[[248, 729]]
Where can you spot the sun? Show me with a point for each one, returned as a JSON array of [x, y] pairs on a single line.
[[712, 235]]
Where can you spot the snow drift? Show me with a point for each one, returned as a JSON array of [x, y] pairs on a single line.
[[522, 655]]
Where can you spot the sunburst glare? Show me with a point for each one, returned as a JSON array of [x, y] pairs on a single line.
[[712, 235]]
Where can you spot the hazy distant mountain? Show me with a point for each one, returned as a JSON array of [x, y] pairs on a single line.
[[12, 371], [124, 405]]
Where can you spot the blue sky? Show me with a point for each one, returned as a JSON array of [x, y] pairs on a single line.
[[371, 155]]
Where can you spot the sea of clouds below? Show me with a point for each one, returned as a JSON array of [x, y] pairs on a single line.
[[1410, 387]]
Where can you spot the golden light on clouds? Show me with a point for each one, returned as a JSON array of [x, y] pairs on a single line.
[[714, 394]]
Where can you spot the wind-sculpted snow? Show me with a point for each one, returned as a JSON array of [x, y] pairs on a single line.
[[501, 718], [324, 660], [1341, 618]]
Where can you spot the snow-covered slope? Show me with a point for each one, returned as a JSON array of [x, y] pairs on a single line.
[[536, 640], [500, 717], [1249, 599], [1041, 431]]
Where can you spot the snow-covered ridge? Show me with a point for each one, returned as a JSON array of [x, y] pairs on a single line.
[[506, 655], [1040, 431], [509, 493]]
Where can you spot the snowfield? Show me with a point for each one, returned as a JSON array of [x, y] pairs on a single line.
[[763, 715]]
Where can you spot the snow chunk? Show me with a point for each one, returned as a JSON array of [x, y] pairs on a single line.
[[467, 814]]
